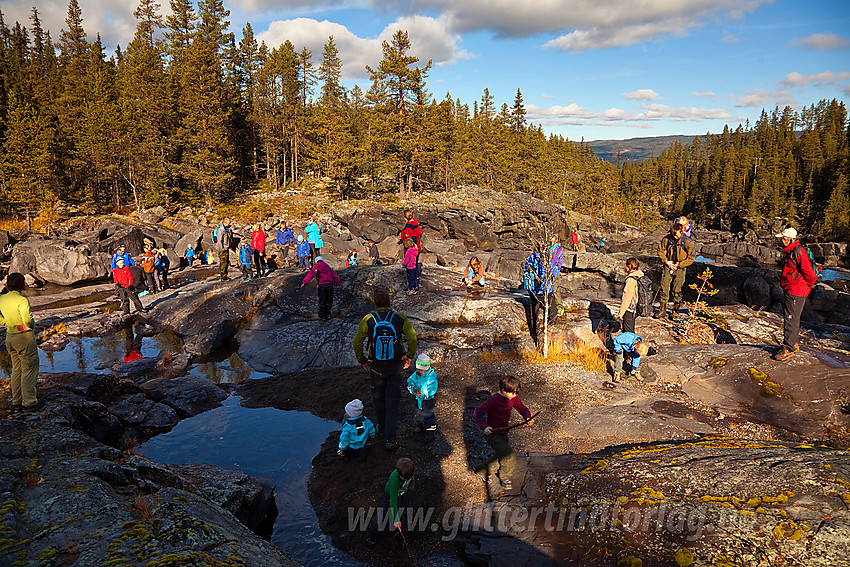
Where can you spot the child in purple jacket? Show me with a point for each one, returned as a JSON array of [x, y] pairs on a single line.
[[327, 279]]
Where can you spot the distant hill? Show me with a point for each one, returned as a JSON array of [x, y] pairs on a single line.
[[635, 149]]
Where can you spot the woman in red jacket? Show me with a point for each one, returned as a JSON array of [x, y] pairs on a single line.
[[258, 243], [798, 278]]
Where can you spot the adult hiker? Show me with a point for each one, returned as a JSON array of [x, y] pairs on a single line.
[[327, 279], [126, 284], [222, 242], [258, 244], [677, 253], [313, 230], [574, 240], [121, 252], [798, 278], [383, 331], [534, 277], [374, 253], [16, 315]]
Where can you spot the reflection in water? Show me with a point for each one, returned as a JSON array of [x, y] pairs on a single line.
[[99, 354], [266, 442]]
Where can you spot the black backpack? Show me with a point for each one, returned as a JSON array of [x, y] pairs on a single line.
[[644, 296]]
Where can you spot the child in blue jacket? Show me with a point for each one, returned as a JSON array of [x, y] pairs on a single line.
[[634, 345], [423, 385], [357, 429], [246, 259], [302, 251]]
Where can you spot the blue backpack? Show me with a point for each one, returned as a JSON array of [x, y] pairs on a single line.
[[532, 271], [384, 336], [246, 254]]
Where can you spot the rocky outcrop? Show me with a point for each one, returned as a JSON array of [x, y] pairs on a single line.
[[68, 499]]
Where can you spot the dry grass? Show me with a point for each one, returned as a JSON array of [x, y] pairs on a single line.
[[54, 330], [145, 506], [580, 353], [32, 479]]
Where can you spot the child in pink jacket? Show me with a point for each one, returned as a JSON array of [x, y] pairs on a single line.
[[411, 253]]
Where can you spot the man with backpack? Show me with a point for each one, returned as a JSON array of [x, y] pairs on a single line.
[[637, 296], [677, 253], [383, 331], [799, 275], [222, 241], [534, 277]]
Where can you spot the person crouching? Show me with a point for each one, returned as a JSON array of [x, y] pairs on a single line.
[[357, 430]]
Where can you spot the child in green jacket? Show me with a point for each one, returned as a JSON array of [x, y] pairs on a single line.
[[394, 497]]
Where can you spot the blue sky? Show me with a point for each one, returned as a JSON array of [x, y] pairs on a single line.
[[591, 69]]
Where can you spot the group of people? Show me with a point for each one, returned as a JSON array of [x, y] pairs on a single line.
[[132, 280], [385, 344]]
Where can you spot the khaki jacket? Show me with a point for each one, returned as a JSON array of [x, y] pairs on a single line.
[[685, 250], [630, 293]]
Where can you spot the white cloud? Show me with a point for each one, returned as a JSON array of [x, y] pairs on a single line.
[[760, 98], [822, 41], [795, 79], [605, 37], [729, 38], [429, 38], [113, 19], [708, 94], [642, 94], [651, 113], [546, 95]]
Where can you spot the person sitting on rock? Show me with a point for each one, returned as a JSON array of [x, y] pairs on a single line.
[[423, 385], [473, 275], [121, 252], [352, 259], [125, 286], [633, 345], [357, 430]]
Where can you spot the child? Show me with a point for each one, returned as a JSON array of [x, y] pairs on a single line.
[[628, 305], [246, 258], [423, 385], [327, 279], [497, 409], [190, 255], [357, 429], [394, 496], [161, 266], [474, 275], [125, 286], [302, 251], [374, 253], [411, 252], [352, 259], [210, 257], [635, 346]]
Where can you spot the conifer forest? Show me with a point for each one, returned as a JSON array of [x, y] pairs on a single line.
[[190, 113]]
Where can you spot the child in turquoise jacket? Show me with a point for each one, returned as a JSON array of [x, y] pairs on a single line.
[[357, 429], [423, 385]]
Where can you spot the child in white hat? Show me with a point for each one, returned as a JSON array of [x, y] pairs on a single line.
[[357, 429], [423, 385]]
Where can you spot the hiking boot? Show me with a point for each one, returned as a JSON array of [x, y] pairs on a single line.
[[783, 354], [796, 347], [636, 375], [618, 376], [675, 310], [662, 311], [17, 407], [34, 407]]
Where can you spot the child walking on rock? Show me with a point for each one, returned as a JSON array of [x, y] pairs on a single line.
[[423, 385], [493, 417]]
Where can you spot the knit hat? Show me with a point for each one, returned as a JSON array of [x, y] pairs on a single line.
[[423, 362], [319, 259], [300, 238], [354, 408]]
